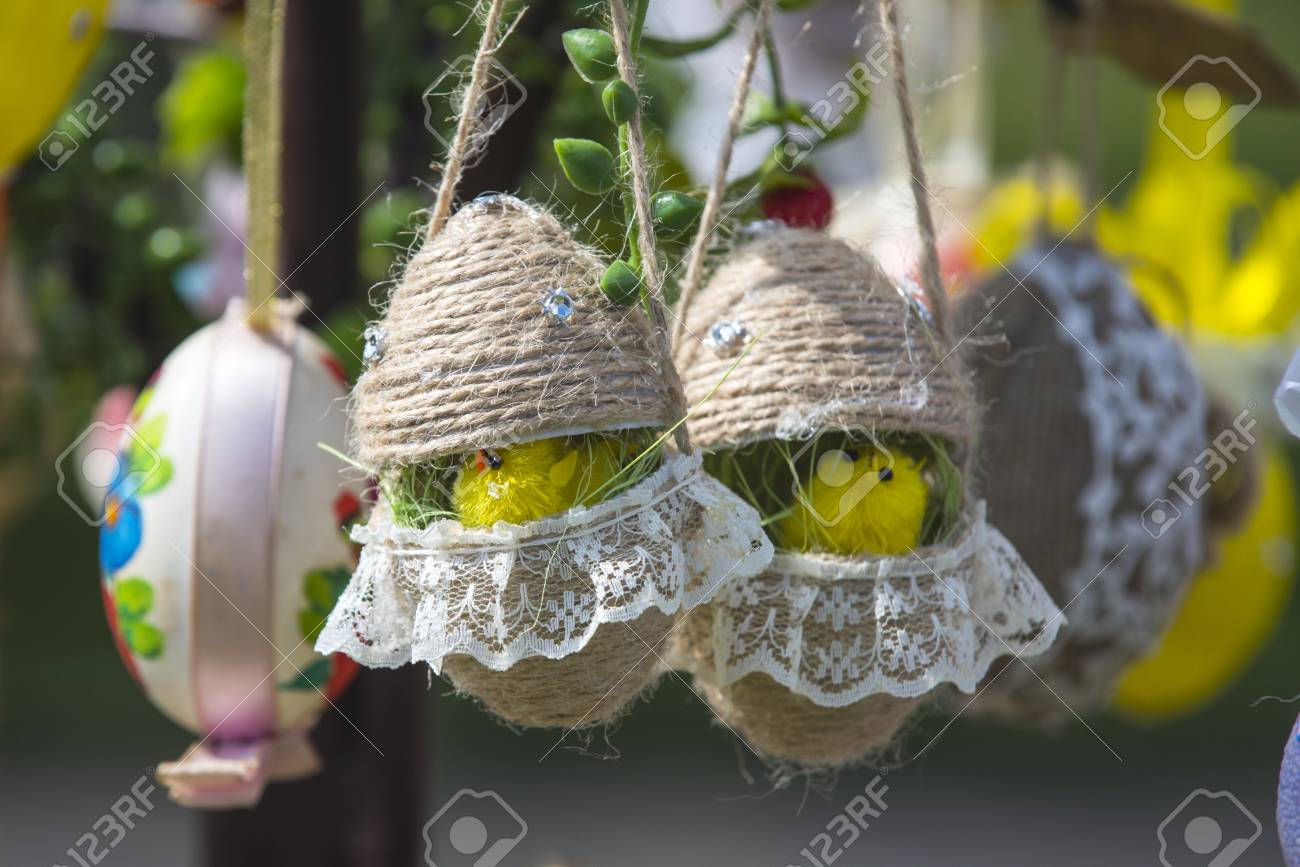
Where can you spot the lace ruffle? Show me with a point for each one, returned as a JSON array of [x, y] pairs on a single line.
[[838, 630], [511, 592]]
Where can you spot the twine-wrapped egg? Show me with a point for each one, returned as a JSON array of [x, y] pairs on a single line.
[[1094, 423], [223, 548], [820, 659], [497, 336]]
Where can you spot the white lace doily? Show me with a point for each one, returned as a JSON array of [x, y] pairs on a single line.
[[541, 589], [837, 630]]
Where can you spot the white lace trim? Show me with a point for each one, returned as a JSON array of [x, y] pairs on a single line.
[[511, 592], [838, 630]]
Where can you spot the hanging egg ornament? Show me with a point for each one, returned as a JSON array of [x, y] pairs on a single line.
[[534, 542], [223, 547], [847, 413], [1094, 436]]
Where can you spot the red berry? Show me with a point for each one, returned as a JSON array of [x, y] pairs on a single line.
[[346, 507], [807, 203]]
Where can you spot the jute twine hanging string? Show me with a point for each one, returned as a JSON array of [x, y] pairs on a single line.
[[468, 119], [931, 276], [713, 202], [620, 28], [820, 660]]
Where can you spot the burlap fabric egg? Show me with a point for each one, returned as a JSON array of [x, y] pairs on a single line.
[[821, 658], [499, 335], [1093, 441]]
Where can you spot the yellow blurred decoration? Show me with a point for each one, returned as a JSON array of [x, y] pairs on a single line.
[[1175, 232], [1231, 609], [1178, 228], [44, 45], [1009, 215]]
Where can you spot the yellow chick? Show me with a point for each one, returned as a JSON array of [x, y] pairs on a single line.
[[531, 480], [859, 501]]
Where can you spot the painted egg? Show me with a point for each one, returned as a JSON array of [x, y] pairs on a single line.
[[224, 547]]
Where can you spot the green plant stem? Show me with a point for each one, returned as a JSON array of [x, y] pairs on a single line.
[[778, 82], [639, 9]]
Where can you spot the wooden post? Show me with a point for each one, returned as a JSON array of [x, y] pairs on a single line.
[[365, 809]]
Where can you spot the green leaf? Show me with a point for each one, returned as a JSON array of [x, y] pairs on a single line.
[[150, 431], [669, 48], [851, 120], [780, 179], [201, 110], [155, 478], [318, 589], [311, 622], [134, 598], [675, 212], [619, 102], [311, 677], [144, 639], [762, 112], [588, 165], [792, 5], [620, 283], [142, 402], [592, 53], [323, 586]]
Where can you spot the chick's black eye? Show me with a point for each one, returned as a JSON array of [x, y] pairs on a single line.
[[492, 459], [852, 454], [885, 474]]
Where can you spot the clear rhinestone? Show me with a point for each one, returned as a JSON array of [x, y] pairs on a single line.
[[915, 297], [376, 340], [726, 337], [559, 304], [755, 229]]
